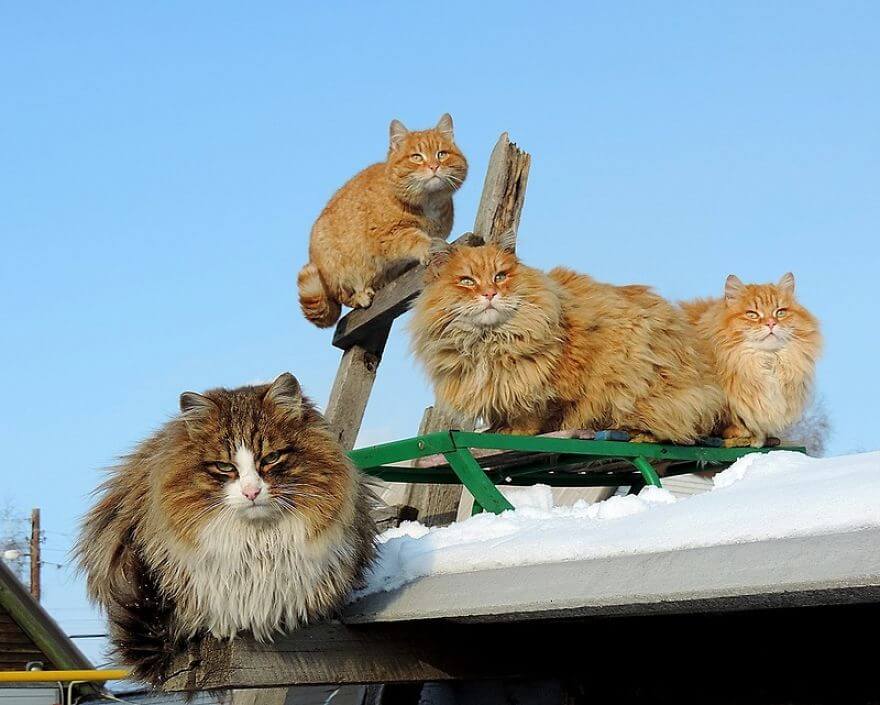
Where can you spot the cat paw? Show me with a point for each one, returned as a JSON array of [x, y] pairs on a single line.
[[742, 442], [362, 299], [643, 438]]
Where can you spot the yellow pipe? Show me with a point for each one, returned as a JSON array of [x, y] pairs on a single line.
[[65, 676]]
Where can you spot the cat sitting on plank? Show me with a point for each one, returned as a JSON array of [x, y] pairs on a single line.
[[530, 352], [384, 217], [763, 346], [241, 514]]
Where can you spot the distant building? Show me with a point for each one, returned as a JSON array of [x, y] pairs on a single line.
[[30, 638]]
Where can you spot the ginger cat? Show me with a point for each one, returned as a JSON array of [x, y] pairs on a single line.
[[385, 216], [530, 352], [763, 345]]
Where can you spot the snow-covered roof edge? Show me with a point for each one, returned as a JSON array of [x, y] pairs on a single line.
[[838, 568]]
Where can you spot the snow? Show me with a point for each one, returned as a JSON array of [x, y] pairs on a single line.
[[761, 496]]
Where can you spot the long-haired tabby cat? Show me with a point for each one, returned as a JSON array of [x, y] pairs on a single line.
[[763, 345], [384, 217], [242, 513], [529, 352]]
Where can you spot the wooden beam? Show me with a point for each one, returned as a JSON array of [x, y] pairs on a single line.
[[391, 301], [35, 560], [504, 190], [803, 659], [353, 383]]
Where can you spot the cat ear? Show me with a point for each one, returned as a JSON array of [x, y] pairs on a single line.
[[397, 132], [195, 405], [438, 254], [732, 288], [286, 394], [195, 408], [444, 125], [506, 240], [786, 284]]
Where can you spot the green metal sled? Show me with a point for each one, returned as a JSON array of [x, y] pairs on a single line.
[[480, 461]]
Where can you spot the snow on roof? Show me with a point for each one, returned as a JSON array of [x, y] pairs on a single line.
[[761, 497]]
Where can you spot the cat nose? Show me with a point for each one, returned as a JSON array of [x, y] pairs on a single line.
[[251, 492], [434, 167], [491, 294], [771, 323]]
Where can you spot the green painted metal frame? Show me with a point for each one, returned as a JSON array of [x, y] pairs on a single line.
[[464, 468]]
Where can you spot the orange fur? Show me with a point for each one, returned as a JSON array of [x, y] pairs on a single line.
[[558, 350], [381, 219], [766, 379]]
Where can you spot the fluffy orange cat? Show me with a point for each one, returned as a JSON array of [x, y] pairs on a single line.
[[384, 217], [763, 345], [529, 352]]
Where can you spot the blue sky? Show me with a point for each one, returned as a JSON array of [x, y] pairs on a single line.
[[161, 165]]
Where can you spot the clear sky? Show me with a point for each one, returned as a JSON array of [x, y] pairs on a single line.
[[161, 165]]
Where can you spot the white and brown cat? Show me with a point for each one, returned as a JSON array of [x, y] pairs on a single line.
[[385, 216], [241, 514], [763, 345]]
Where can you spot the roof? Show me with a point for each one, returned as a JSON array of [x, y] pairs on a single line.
[[28, 632], [438, 627], [791, 572]]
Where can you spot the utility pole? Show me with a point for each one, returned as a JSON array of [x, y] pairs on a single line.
[[35, 554]]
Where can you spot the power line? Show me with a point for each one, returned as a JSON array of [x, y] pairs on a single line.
[[87, 636]]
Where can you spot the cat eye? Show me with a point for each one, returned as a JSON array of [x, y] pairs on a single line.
[[781, 312], [466, 281], [271, 458], [500, 277], [442, 155], [753, 315], [225, 468], [417, 158]]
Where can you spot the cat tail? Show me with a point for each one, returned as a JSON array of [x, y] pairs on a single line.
[[316, 302], [141, 624]]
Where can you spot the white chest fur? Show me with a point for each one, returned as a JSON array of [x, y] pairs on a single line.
[[257, 576]]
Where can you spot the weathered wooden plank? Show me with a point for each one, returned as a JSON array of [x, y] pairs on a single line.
[[352, 386], [438, 650], [426, 651], [389, 516], [504, 190], [259, 696], [391, 301]]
